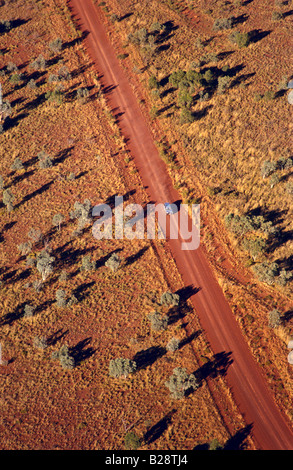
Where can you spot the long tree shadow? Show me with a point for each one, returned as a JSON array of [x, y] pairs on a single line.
[[241, 78], [7, 227], [80, 352], [70, 256], [237, 442], [75, 41], [159, 428], [40, 308], [62, 155], [124, 17], [218, 366], [55, 337], [11, 317], [287, 13], [131, 259], [9, 122], [239, 19], [187, 292], [178, 313], [287, 316], [257, 35], [279, 235], [101, 261], [82, 290], [189, 339], [33, 104], [13, 24], [21, 177], [37, 192], [148, 356], [197, 115], [167, 32]]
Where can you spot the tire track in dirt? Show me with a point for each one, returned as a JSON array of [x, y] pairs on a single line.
[[271, 431]]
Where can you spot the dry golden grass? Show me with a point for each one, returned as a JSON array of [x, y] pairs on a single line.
[[225, 147], [42, 405]]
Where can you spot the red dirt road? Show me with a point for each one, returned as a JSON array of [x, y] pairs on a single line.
[[270, 430]]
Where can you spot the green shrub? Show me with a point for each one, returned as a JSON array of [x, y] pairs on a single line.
[[168, 298], [223, 23], [66, 359], [158, 322], [113, 262], [121, 367], [274, 317], [186, 116], [180, 383], [241, 39], [56, 45], [153, 82], [132, 441]]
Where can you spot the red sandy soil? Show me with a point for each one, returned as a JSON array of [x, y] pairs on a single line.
[[251, 393]]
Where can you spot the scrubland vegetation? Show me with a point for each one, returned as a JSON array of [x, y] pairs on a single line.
[[211, 77], [100, 346]]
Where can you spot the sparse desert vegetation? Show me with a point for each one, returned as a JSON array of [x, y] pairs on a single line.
[[81, 365], [105, 326], [214, 87]]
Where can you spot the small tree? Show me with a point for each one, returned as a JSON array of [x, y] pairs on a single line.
[[87, 264], [121, 367], [215, 445], [61, 298], [39, 63], [83, 213], [28, 310], [45, 264], [184, 99], [266, 272], [8, 199], [113, 262], [274, 318], [32, 85], [57, 220], [274, 179], [153, 82], [223, 84], [35, 235], [56, 45], [168, 298], [255, 246], [241, 39], [64, 73], [25, 248], [173, 345], [223, 23], [17, 165], [66, 359], [158, 322], [283, 277], [82, 94], [132, 441], [180, 383], [12, 67], [55, 96], [45, 161], [40, 342], [186, 116]]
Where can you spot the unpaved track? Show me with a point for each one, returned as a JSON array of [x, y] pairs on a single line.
[[270, 431]]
